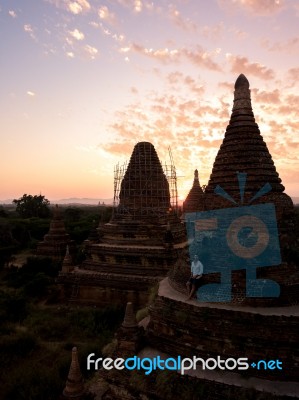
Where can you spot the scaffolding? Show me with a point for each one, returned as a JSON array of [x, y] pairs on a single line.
[[144, 187]]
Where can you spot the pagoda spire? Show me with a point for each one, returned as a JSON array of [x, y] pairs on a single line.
[[243, 150], [129, 319], [195, 198], [74, 388], [67, 261]]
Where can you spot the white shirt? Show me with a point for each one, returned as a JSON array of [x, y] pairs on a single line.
[[196, 268]]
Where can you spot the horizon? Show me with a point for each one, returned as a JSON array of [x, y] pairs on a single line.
[[86, 80]]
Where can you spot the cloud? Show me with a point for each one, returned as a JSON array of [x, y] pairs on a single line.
[[78, 6], [289, 46], [293, 74], [197, 57], [74, 6], [12, 13], [30, 93], [242, 65], [105, 14], [137, 6], [76, 34], [70, 54], [180, 80], [213, 31], [184, 23], [28, 28], [115, 36], [91, 51], [255, 7], [266, 97]]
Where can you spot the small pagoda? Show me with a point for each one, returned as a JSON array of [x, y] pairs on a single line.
[[56, 240], [195, 200]]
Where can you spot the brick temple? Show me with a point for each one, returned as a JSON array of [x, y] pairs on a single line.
[[56, 240], [195, 200], [139, 244], [257, 331], [244, 150]]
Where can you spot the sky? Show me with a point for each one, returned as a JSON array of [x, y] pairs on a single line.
[[82, 81]]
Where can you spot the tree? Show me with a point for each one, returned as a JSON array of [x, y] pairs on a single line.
[[32, 206]]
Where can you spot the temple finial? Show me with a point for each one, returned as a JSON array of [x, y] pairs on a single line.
[[196, 179], [242, 82], [242, 101]]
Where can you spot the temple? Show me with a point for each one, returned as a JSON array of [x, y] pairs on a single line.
[[195, 200], [74, 388], [140, 243], [229, 330], [56, 240], [244, 150]]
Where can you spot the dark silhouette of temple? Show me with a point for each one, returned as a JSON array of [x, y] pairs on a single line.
[[233, 329], [56, 240], [195, 200], [244, 150], [139, 244]]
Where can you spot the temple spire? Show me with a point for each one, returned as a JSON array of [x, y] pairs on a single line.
[[129, 319], [74, 387], [195, 199], [67, 261], [243, 150]]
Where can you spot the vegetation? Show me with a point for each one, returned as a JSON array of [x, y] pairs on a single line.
[[18, 234], [36, 333], [36, 338], [29, 206]]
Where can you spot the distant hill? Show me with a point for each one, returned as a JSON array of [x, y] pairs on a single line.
[[84, 200]]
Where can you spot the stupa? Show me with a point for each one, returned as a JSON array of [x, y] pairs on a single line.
[[139, 244], [243, 153], [195, 200], [244, 150], [56, 240], [260, 333], [74, 388]]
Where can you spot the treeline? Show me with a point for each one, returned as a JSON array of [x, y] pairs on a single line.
[[19, 232]]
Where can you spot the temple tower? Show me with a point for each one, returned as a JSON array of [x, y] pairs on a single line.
[[195, 199], [244, 150], [144, 189], [140, 243], [74, 388], [56, 240]]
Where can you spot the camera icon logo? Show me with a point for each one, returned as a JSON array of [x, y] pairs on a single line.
[[230, 239]]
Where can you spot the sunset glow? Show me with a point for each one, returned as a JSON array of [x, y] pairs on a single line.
[[84, 80]]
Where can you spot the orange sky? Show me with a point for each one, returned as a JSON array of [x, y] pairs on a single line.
[[85, 80]]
